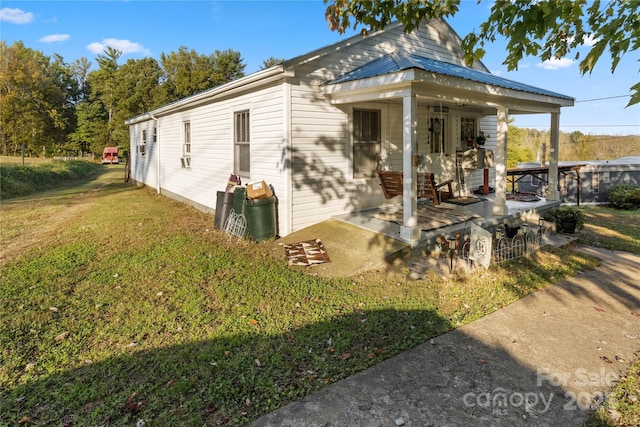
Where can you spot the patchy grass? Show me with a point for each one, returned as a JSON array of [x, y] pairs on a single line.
[[622, 406], [609, 228], [118, 304]]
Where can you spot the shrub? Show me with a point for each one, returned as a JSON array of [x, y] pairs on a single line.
[[624, 196], [565, 213], [17, 180]]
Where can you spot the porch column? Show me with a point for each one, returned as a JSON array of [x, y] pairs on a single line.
[[500, 206], [409, 231], [554, 134]]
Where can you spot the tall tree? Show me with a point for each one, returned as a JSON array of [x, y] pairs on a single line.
[[188, 73], [33, 100], [91, 128], [138, 91], [228, 66], [544, 28], [270, 62]]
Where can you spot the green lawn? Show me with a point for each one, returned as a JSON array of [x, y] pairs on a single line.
[[118, 304]]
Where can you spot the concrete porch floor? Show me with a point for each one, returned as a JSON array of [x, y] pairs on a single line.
[[518, 212], [358, 242]]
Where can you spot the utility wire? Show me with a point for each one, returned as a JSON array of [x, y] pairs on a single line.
[[601, 99]]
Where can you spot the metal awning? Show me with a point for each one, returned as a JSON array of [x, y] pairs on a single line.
[[395, 62]]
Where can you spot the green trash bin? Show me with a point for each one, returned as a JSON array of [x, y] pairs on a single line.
[[261, 218], [239, 196], [224, 204]]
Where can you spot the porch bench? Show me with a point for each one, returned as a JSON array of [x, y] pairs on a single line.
[[392, 185]]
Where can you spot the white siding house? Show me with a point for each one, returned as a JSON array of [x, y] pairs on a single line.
[[319, 125]]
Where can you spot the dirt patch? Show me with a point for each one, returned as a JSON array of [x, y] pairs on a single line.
[[32, 221]]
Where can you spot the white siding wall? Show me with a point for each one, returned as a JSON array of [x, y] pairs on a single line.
[[322, 178], [475, 178], [318, 182], [212, 149], [144, 168]]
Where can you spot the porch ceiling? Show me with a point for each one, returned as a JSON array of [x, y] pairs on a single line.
[[396, 76]]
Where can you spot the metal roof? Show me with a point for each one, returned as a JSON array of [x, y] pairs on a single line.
[[394, 62]]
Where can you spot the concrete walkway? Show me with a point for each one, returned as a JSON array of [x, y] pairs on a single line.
[[543, 360]]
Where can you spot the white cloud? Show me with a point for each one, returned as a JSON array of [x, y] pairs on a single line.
[[125, 46], [556, 64], [52, 38], [17, 16], [590, 40]]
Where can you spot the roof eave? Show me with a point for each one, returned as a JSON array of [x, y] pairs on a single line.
[[452, 88]]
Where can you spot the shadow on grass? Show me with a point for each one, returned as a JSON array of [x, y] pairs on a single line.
[[225, 380]]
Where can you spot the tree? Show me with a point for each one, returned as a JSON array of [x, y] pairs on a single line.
[[270, 62], [544, 28], [138, 91], [188, 73], [34, 109], [228, 66]]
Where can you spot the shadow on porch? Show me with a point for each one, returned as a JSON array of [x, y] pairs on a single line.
[[358, 242], [448, 218]]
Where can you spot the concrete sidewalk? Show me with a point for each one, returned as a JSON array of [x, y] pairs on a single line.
[[543, 360]]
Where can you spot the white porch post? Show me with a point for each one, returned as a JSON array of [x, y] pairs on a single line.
[[409, 231], [500, 206], [552, 190]]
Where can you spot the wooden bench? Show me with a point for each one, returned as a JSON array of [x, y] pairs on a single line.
[[392, 185]]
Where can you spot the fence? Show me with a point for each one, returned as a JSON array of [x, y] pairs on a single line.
[[527, 240]]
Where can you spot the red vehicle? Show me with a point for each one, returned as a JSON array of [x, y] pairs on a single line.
[[110, 155]]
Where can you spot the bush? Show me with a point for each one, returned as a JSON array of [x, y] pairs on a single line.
[[565, 213], [17, 180], [624, 196]]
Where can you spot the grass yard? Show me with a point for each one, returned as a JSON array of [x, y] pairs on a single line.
[[118, 304], [612, 229]]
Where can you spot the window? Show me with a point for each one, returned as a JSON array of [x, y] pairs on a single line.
[[186, 145], [155, 134], [367, 142], [143, 143], [242, 144], [595, 182], [467, 130]]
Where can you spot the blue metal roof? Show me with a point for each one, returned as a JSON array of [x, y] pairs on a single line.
[[394, 62]]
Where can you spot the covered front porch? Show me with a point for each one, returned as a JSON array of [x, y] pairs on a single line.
[[461, 217], [431, 110]]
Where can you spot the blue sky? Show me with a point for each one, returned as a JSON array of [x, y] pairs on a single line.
[[285, 29]]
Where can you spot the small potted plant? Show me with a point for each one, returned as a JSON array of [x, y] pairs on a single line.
[[566, 218], [482, 138]]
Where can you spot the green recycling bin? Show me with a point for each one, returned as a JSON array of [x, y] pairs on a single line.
[[261, 218], [239, 196]]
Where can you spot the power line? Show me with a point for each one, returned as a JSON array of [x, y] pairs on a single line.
[[602, 99], [586, 126]]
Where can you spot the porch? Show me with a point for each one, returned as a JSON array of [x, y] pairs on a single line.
[[448, 218]]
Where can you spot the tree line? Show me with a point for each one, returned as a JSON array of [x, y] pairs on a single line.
[[528, 145], [57, 108], [51, 107]]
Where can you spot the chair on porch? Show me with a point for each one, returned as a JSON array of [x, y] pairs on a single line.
[[427, 188]]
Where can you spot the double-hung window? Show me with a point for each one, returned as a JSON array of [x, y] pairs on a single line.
[[367, 142], [143, 143], [242, 144], [186, 145]]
